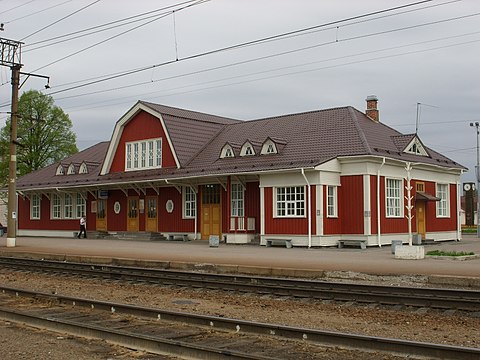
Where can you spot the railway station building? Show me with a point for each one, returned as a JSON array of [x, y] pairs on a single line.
[[315, 178]]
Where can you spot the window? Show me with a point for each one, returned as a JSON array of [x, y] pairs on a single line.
[[420, 186], [394, 195], [60, 170], [331, 201], [83, 169], [56, 206], [189, 202], [80, 206], [247, 150], [290, 201], [35, 207], [237, 200], [143, 154], [71, 169], [415, 147], [268, 147], [443, 209], [68, 206]]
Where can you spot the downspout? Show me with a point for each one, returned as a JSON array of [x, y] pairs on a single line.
[[309, 192], [379, 238]]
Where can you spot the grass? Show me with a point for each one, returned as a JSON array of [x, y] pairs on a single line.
[[469, 229], [449, 253]]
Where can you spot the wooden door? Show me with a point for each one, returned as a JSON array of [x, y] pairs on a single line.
[[101, 218], [421, 218], [211, 211], [132, 214], [151, 218]]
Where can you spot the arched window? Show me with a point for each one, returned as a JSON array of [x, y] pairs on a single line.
[[71, 169], [83, 169], [247, 150], [227, 152], [269, 147], [60, 170]]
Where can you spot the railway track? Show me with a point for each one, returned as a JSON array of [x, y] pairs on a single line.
[[443, 299], [203, 337]]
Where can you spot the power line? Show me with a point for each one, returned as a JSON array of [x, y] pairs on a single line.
[[117, 35], [61, 19], [101, 27], [231, 47], [273, 55], [16, 7], [37, 12]]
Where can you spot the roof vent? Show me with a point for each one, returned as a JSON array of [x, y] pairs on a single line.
[[372, 111]]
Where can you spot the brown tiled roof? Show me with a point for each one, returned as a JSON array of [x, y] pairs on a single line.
[[46, 178], [306, 140], [189, 130]]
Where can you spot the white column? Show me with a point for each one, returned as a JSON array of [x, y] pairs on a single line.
[[367, 206], [319, 209]]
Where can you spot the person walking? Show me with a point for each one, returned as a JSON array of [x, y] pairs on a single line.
[[83, 227]]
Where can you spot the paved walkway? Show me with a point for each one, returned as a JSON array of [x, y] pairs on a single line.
[[378, 261]]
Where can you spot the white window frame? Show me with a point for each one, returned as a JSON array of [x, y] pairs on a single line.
[[80, 206], [56, 206], [60, 170], [227, 152], [394, 198], [143, 154], [35, 201], [189, 202], [67, 206], [332, 201], [237, 200], [269, 147], [83, 169], [443, 206], [289, 202], [247, 150]]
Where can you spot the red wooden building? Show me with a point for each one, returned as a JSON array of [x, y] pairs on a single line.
[[315, 178]]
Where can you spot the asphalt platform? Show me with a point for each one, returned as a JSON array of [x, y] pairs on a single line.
[[255, 259]]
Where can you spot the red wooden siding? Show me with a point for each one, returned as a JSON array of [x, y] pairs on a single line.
[[142, 126], [350, 204], [435, 223], [331, 225], [252, 203], [174, 221], [391, 225], [287, 225]]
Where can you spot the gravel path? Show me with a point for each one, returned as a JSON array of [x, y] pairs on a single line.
[[418, 325]]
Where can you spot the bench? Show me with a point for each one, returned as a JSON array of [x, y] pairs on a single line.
[[280, 242], [356, 243], [183, 237]]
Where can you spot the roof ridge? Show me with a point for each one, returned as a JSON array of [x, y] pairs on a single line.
[[193, 112], [360, 131]]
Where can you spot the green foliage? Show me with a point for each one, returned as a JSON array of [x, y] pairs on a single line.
[[44, 135], [449, 253]]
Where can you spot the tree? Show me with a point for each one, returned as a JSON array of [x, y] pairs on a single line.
[[44, 135]]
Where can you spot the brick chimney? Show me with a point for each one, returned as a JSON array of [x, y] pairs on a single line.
[[372, 111]]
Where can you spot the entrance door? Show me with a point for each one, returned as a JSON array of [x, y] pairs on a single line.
[[211, 211], [151, 217], [420, 213], [101, 220], [132, 214]]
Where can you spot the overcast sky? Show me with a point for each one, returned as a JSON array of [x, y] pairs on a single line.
[[426, 53]]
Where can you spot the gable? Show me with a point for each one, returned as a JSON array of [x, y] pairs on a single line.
[[140, 124]]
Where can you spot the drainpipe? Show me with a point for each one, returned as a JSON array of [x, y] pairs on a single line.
[[309, 192], [379, 238]]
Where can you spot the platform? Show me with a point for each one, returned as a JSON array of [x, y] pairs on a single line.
[[251, 258]]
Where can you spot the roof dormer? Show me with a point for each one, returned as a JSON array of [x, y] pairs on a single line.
[[269, 147], [416, 147], [60, 170], [71, 169], [247, 149], [83, 168], [227, 151]]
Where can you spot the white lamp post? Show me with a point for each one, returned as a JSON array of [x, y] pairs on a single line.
[[477, 175]]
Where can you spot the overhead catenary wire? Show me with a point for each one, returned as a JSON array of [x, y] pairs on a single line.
[[61, 19], [99, 28], [37, 12], [231, 47]]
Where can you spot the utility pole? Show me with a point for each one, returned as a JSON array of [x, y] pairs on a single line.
[[10, 55]]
